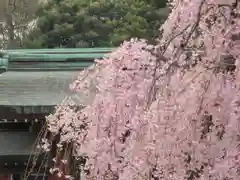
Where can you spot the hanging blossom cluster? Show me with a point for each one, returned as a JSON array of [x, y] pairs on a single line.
[[164, 112]]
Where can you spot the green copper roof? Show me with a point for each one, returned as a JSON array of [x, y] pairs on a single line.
[[48, 66], [37, 88], [3, 63], [35, 78], [61, 50], [52, 59]]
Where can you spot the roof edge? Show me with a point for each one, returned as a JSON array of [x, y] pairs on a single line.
[[3, 65], [60, 50], [50, 59]]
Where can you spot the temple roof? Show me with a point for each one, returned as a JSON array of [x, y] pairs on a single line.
[[51, 59], [60, 50], [41, 77], [16, 143], [40, 88]]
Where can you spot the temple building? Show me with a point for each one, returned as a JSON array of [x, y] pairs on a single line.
[[32, 83]]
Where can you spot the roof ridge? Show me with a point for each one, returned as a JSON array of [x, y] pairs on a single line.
[[52, 59]]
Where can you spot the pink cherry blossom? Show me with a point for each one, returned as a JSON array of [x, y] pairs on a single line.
[[164, 112]]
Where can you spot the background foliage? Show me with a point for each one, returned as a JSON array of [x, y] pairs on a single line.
[[95, 23]]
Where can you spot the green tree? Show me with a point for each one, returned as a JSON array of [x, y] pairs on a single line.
[[157, 3], [85, 23]]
